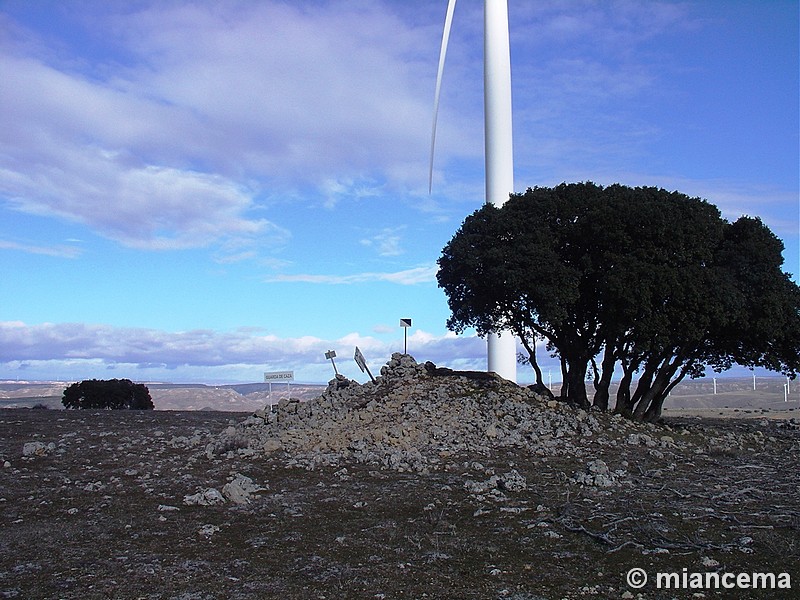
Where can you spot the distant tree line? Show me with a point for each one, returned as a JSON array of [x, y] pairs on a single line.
[[109, 394], [637, 281]]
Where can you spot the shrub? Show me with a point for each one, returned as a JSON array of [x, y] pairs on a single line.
[[112, 394]]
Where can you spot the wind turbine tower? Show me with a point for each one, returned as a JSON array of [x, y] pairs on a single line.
[[499, 154]]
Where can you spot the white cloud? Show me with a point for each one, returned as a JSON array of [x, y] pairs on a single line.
[[387, 242], [283, 90], [619, 24], [60, 251], [422, 274], [141, 206], [335, 190], [72, 349], [163, 150], [62, 341], [413, 276], [68, 165]]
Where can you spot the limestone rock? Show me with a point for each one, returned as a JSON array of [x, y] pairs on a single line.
[[598, 474], [207, 497], [30, 449], [271, 446], [240, 489], [513, 482]]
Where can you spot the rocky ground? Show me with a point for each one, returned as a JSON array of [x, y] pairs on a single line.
[[428, 484]]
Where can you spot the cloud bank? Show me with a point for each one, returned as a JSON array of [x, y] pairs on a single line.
[[147, 353], [196, 118]]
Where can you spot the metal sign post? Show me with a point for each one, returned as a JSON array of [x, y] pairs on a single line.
[[362, 363], [272, 376], [331, 354], [405, 324]]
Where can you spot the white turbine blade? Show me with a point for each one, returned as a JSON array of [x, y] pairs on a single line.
[[448, 21]]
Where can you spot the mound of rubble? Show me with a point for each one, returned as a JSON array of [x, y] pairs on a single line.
[[416, 417]]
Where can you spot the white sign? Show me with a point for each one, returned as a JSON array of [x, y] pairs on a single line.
[[279, 376], [405, 322]]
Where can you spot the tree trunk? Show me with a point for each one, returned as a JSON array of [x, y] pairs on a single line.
[[653, 398], [576, 381], [531, 350], [623, 406], [653, 413], [649, 410], [601, 394], [645, 401], [642, 386]]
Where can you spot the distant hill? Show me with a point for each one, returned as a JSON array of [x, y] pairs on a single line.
[[246, 397], [732, 393]]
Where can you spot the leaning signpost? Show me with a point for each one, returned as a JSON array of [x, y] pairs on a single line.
[[362, 363], [278, 377], [330, 355]]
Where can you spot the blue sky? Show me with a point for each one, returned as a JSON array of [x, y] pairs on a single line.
[[202, 191]]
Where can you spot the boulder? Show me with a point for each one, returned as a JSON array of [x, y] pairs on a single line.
[[240, 489]]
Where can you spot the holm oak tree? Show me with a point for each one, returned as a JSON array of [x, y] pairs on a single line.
[[624, 280], [111, 394]]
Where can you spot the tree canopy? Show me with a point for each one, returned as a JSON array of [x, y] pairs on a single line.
[[624, 280], [112, 394]]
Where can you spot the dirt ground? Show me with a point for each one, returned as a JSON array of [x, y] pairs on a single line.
[[100, 513]]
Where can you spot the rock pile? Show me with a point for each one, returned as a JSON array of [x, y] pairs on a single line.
[[37, 449], [239, 491], [416, 417], [598, 474]]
